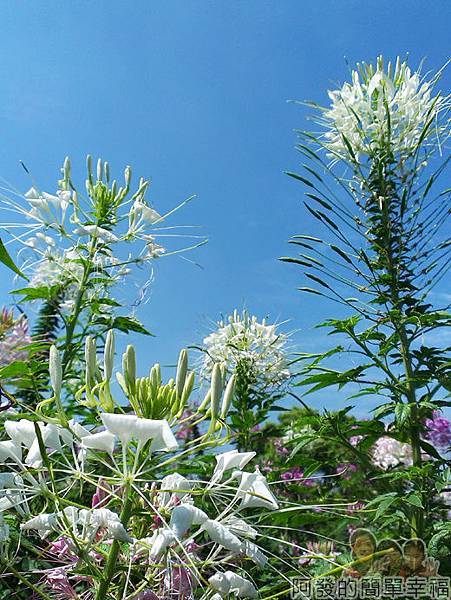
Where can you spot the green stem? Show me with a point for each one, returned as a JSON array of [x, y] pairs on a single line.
[[110, 566]]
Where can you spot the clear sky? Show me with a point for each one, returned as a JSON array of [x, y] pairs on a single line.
[[193, 93]]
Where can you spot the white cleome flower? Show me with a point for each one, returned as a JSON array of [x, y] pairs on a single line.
[[243, 339], [231, 583], [377, 110], [388, 453]]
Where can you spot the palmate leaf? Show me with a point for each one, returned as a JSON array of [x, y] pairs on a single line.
[[8, 261]]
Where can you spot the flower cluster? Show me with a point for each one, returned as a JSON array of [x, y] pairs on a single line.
[[388, 453], [188, 535], [109, 230], [379, 109], [243, 340], [14, 337]]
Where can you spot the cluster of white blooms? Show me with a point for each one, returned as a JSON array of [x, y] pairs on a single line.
[[379, 109], [243, 339], [182, 530], [388, 453]]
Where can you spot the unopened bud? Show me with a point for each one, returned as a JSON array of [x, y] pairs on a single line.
[[182, 369], [90, 360], [108, 357], [99, 169], [55, 370], [127, 175], [106, 170], [228, 397], [216, 391]]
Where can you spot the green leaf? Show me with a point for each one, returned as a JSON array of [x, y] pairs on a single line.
[[127, 324], [414, 500], [8, 261], [300, 178]]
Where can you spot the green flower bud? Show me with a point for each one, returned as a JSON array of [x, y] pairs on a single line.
[[182, 369], [108, 357], [99, 170], [155, 375], [106, 170], [129, 367], [216, 392], [228, 397], [205, 402], [55, 370], [91, 361], [89, 167]]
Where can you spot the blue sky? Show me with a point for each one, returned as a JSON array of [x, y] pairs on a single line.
[[194, 94]]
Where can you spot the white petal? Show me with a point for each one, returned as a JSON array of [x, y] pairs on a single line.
[[121, 425], [222, 535], [9, 449], [103, 440]]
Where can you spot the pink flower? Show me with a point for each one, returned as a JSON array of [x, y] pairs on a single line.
[[58, 582], [179, 583], [14, 337], [101, 495]]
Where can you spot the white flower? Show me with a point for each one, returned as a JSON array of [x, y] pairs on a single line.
[[158, 431], [145, 213], [254, 491], [184, 516], [22, 431], [43, 523], [47, 208], [127, 427], [173, 485], [230, 460], [98, 232], [231, 583], [388, 452], [10, 450], [121, 425], [379, 108], [103, 440], [222, 535], [243, 339]]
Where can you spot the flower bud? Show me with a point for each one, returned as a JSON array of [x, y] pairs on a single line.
[[216, 391], [89, 167], [55, 370], [182, 369], [99, 170], [129, 367], [127, 175], [108, 357], [155, 375], [106, 170], [91, 361], [205, 402], [228, 397]]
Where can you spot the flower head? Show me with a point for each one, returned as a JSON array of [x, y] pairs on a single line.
[[14, 336], [243, 340], [388, 453], [380, 108]]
